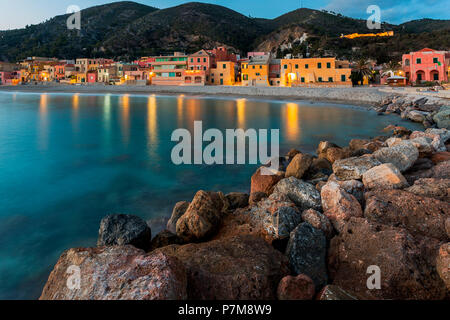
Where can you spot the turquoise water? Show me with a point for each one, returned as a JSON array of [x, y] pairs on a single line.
[[67, 160]]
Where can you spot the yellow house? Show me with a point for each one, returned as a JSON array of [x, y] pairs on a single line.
[[327, 71], [81, 77], [223, 74], [244, 73], [258, 71]]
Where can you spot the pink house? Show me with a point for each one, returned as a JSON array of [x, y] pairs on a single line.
[[92, 77], [426, 65]]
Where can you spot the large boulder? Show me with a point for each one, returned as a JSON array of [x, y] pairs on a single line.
[[323, 147], [334, 154], [402, 155], [443, 263], [300, 287], [442, 118], [438, 137], [354, 187], [238, 268], [439, 157], [237, 200], [306, 251], [299, 165], [123, 229], [424, 145], [384, 176], [178, 210], [441, 170], [417, 116], [405, 273], [302, 193], [354, 168], [319, 221], [432, 188], [338, 205], [265, 183], [203, 216], [419, 215], [116, 273]]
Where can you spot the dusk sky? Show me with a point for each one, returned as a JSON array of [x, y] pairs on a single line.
[[18, 13]]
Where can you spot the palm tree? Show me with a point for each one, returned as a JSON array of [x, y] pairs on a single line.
[[362, 69], [391, 68]]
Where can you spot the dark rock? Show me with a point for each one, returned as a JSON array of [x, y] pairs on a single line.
[[306, 252], [432, 188], [300, 287], [441, 170], [443, 264], [299, 165], [319, 221], [237, 200], [165, 238], [332, 292], [256, 197], [292, 153], [123, 229], [303, 194], [179, 209]]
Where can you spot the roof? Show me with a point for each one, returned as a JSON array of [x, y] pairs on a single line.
[[259, 60]]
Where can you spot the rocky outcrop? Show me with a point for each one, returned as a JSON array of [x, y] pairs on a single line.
[[237, 268], [354, 168], [299, 165], [300, 287], [404, 272], [179, 209], [402, 155], [419, 215], [303, 194], [116, 273], [338, 205], [306, 251], [123, 229], [385, 176], [203, 216]]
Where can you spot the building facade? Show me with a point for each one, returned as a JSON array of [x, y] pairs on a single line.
[[169, 70], [426, 65]]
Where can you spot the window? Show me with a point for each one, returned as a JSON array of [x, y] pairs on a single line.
[[260, 67], [204, 59], [435, 60], [407, 62], [245, 76], [204, 68], [418, 61], [328, 65], [319, 65], [198, 59], [330, 79], [285, 66], [302, 79], [306, 66], [192, 59], [258, 74], [320, 79], [253, 67], [224, 66], [221, 74], [435, 76], [343, 77], [296, 66]]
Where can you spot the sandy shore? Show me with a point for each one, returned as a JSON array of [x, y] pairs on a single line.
[[364, 96]]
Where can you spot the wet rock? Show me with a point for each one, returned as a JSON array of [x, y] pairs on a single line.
[[300, 287], [265, 183], [123, 229], [203, 216], [179, 209], [443, 264], [402, 155], [332, 292], [354, 168], [117, 273], [440, 157], [237, 268], [398, 131], [324, 145], [404, 272], [303, 194], [417, 116], [385, 176], [237, 200], [419, 215], [319, 221], [338, 205], [306, 252], [165, 238], [299, 165], [432, 188]]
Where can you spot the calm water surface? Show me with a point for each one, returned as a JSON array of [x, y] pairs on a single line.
[[67, 160]]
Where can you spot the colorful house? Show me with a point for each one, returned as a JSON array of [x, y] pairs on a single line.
[[244, 71], [91, 76], [426, 65], [275, 72], [198, 68], [258, 71], [169, 70], [297, 72], [224, 74]]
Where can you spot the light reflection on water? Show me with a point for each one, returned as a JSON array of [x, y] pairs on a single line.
[[67, 160]]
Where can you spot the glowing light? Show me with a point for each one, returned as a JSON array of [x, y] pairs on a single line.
[[152, 121], [292, 122], [240, 104]]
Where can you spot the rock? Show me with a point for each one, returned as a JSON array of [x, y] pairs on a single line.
[[324, 145], [437, 136], [419, 215], [364, 144], [443, 264], [441, 170], [179, 209], [397, 131], [338, 205], [402, 155], [440, 157], [360, 153], [292, 153], [264, 183], [417, 116], [384, 176], [203, 216], [298, 166], [117, 273], [424, 145], [392, 141], [354, 168], [237, 268], [303, 194], [237, 200], [432, 188], [442, 119], [123, 229], [353, 187], [165, 238], [332, 292], [447, 226], [320, 185], [300, 287], [306, 252], [319, 221], [256, 197], [334, 154], [404, 272]]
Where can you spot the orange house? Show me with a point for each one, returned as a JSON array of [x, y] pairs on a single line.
[[258, 71], [223, 74]]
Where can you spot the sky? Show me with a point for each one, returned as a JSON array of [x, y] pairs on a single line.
[[19, 13]]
